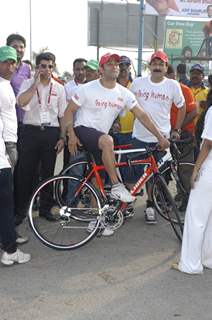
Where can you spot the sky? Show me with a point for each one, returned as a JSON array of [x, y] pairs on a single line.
[[59, 25]]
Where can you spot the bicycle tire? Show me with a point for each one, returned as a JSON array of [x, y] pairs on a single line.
[[165, 205], [68, 169], [65, 233], [179, 184]]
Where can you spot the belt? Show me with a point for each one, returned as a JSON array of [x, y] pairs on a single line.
[[41, 127]]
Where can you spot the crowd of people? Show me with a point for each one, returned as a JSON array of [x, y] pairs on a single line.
[[40, 117]]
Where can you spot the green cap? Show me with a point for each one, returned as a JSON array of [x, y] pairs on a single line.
[[7, 53], [92, 64]]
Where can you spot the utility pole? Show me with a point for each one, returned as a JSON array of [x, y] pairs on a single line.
[[30, 29], [141, 37], [97, 33]]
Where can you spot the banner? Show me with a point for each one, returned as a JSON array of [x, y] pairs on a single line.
[[181, 8], [186, 39]]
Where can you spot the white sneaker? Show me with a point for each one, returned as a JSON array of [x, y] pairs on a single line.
[[119, 192], [106, 232], [21, 240], [17, 257], [150, 216]]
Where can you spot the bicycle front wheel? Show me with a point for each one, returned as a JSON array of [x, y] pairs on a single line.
[[70, 228], [165, 205]]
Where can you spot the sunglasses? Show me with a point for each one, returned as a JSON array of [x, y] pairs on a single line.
[[45, 66]]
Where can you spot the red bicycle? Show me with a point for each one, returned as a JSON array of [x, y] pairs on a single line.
[[83, 202]]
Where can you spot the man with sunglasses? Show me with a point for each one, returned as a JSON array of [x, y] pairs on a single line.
[[44, 102]]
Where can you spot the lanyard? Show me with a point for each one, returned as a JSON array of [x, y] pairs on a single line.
[[49, 97]]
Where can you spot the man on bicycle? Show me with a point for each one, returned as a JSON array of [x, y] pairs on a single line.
[[97, 104], [155, 94]]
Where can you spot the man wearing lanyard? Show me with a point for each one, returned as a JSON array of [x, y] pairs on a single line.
[[44, 102]]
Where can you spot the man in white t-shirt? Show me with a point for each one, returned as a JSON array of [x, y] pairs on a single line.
[[155, 94], [7, 109], [98, 103], [79, 77], [8, 235]]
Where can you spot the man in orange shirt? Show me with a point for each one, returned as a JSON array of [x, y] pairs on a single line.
[[188, 128]]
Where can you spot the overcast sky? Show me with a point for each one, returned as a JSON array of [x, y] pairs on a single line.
[[59, 25]]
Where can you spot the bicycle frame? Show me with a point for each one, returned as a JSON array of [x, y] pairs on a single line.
[[149, 161]]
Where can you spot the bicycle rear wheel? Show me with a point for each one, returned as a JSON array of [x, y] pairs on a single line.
[[165, 205], [69, 231]]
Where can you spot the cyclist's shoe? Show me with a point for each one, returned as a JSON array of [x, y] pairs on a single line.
[[18, 256], [106, 232], [150, 216], [129, 211], [119, 192]]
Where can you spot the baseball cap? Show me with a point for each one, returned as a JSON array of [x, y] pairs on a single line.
[[106, 57], [197, 67], [159, 55], [7, 53], [92, 64], [125, 60]]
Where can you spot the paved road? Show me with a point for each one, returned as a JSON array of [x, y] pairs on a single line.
[[126, 277]]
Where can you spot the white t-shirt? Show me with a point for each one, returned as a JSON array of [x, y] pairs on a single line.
[[70, 88], [4, 163], [54, 100], [207, 134], [7, 111], [156, 99], [100, 106]]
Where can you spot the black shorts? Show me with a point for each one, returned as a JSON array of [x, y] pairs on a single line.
[[89, 138]]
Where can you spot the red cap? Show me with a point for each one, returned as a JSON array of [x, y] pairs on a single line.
[[106, 57], [159, 55]]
